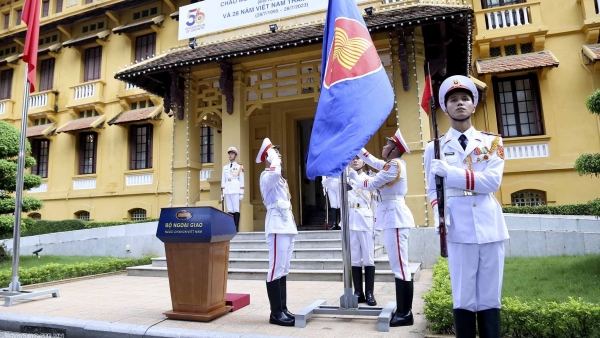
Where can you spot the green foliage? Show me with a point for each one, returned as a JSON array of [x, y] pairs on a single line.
[[30, 227], [591, 208], [588, 164], [52, 272], [593, 102], [5, 254], [574, 318]]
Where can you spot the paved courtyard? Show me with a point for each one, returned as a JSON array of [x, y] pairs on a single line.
[[142, 300]]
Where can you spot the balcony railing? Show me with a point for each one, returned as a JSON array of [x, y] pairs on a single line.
[[42, 188], [133, 180], [2, 108], [129, 86], [84, 184], [86, 93], [43, 101], [523, 151], [524, 18]]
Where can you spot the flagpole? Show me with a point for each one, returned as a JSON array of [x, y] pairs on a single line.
[[15, 285], [347, 300]]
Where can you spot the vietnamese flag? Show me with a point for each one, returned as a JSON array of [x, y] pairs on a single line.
[[427, 95], [31, 17]]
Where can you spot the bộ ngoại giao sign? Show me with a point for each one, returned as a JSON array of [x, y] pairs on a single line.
[[211, 16]]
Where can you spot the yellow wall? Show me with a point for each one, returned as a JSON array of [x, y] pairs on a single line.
[[570, 129]]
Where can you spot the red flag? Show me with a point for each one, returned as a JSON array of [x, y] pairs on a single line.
[[31, 17], [427, 94]]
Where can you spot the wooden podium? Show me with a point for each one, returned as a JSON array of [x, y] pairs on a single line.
[[197, 248]]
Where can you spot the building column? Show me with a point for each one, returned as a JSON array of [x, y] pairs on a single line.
[[186, 150], [236, 133]]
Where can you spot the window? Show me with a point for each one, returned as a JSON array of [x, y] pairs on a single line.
[[138, 215], [6, 79], [140, 147], [88, 146], [19, 13], [6, 20], [88, 1], [145, 46], [40, 149], [528, 198], [498, 3], [141, 104], [517, 106], [59, 6], [47, 74], [45, 8], [510, 50], [144, 13], [526, 48], [36, 216], [206, 144], [40, 121], [82, 215], [88, 113], [93, 63]]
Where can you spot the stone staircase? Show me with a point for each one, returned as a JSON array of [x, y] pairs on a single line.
[[317, 257]]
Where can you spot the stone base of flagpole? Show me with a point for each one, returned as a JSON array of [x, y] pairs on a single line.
[[383, 314], [11, 296]]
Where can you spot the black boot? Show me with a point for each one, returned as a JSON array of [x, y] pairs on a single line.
[[283, 285], [464, 323], [488, 323], [370, 285], [277, 316], [338, 218], [357, 279], [404, 298], [332, 219], [236, 220]]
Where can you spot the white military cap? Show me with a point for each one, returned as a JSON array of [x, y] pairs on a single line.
[[399, 142], [234, 149], [262, 153], [457, 82]]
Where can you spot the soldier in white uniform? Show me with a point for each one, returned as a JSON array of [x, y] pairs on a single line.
[[232, 185], [393, 217], [472, 165], [332, 187], [362, 236], [280, 229]]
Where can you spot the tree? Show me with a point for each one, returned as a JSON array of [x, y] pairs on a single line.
[[589, 164], [9, 151]]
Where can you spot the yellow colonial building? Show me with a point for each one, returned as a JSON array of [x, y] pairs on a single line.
[[127, 119]]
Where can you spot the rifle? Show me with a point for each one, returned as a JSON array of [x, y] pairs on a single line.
[[326, 210], [222, 201], [439, 181]]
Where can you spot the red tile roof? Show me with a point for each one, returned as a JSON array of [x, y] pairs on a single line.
[[592, 51], [39, 130], [516, 63], [81, 124], [136, 115], [139, 25]]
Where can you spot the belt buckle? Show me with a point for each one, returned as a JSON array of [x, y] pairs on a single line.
[[357, 205], [469, 193]]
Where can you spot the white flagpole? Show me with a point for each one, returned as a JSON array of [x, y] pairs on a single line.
[[15, 285]]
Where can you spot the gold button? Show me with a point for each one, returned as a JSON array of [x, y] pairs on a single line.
[[474, 205]]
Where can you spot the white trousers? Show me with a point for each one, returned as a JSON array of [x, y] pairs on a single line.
[[281, 249], [362, 248], [396, 245], [476, 272], [233, 203]]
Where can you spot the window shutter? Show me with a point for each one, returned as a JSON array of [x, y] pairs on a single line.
[[95, 138], [81, 149], [132, 146], [150, 152], [35, 153], [535, 92]]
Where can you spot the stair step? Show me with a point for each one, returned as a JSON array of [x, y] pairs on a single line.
[[298, 253], [302, 235], [298, 244], [381, 263], [295, 275]]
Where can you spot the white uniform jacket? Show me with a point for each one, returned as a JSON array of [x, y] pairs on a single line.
[[360, 211], [332, 184], [473, 213], [276, 197], [232, 179], [391, 185]]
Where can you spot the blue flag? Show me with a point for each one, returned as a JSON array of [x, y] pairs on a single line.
[[356, 94]]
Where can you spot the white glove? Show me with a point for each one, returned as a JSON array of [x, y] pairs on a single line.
[[271, 155], [352, 175], [241, 196], [440, 168], [436, 219]]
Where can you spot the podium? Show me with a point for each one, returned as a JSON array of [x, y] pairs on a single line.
[[197, 249]]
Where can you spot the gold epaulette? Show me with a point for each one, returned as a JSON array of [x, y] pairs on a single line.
[[395, 180], [434, 139], [490, 133]]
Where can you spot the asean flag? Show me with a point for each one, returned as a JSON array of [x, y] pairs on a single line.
[[356, 94]]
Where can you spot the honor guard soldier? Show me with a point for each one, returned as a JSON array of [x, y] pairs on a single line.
[[332, 188], [472, 165], [393, 217], [362, 236], [232, 185], [280, 229]]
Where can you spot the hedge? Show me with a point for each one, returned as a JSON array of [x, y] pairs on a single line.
[[32, 227], [574, 318], [591, 208], [53, 272]]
